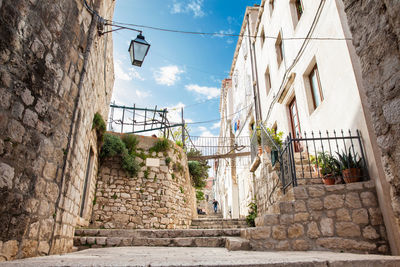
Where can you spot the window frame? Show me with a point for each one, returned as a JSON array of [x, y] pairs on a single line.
[[279, 49], [268, 83], [315, 71]]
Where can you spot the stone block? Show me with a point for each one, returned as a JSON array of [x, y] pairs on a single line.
[[286, 207], [43, 248], [300, 206], [347, 229], [353, 200], [326, 225], [360, 216], [279, 232], [296, 230], [368, 199], [343, 215], [90, 240], [335, 188], [263, 232], [114, 241], [375, 216], [282, 245], [300, 245], [313, 231], [6, 176], [286, 219], [301, 217], [10, 249], [354, 186], [314, 204], [369, 232], [183, 242], [336, 243], [333, 201], [300, 192], [316, 191], [28, 248], [101, 240]]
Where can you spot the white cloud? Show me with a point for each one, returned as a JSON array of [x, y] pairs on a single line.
[[142, 94], [223, 33], [210, 92], [192, 6], [215, 125], [168, 75], [128, 75]]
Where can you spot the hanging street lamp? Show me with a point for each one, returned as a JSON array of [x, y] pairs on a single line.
[[138, 50]]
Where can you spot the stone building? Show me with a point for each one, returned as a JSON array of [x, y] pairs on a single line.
[[56, 72], [304, 85]]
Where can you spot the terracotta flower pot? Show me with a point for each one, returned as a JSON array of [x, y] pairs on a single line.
[[351, 175], [329, 179], [259, 150]]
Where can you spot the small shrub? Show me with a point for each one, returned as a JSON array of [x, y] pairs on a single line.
[[199, 195], [146, 174], [252, 214], [99, 125], [130, 142], [173, 176], [168, 161], [181, 189], [179, 143], [160, 146], [114, 196]]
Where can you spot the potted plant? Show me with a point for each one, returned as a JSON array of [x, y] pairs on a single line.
[[350, 166], [271, 145], [329, 168]]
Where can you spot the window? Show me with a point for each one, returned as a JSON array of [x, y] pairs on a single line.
[[267, 81], [272, 5], [296, 9], [279, 50], [299, 8], [262, 37], [315, 85]]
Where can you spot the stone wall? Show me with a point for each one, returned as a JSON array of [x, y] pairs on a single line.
[[338, 218], [56, 71], [159, 197], [375, 28]]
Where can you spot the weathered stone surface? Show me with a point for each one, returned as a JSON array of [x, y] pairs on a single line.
[[313, 231], [300, 245], [345, 244], [6, 175], [353, 200], [360, 216], [347, 229], [10, 249], [301, 217], [314, 204], [295, 230], [343, 215], [375, 216], [300, 206], [316, 191], [263, 232], [333, 201], [326, 225], [278, 232], [370, 233], [368, 199]]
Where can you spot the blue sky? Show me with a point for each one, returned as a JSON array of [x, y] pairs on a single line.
[[180, 69]]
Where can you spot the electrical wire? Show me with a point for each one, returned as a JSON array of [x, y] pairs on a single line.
[[121, 24]]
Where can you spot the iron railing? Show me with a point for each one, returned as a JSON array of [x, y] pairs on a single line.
[[302, 158]]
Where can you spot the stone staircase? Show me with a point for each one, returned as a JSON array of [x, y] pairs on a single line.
[[340, 218], [206, 231]]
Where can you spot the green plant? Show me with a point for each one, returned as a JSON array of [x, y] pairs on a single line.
[[168, 161], [114, 196], [349, 161], [173, 176], [252, 214], [198, 169], [276, 137], [99, 125], [181, 189], [199, 195], [130, 142], [160, 146], [114, 146], [146, 174], [179, 143]]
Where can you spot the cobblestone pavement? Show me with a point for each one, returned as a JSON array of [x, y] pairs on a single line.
[[165, 256]]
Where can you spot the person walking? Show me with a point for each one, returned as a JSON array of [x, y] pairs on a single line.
[[215, 203]]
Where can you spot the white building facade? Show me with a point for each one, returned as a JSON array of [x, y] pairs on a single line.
[[294, 70]]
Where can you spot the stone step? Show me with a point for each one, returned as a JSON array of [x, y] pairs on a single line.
[[237, 243], [83, 242], [173, 233]]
